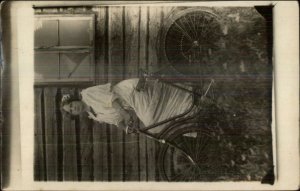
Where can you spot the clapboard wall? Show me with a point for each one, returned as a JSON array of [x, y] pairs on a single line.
[[80, 149]]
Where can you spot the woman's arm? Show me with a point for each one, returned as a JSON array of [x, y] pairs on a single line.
[[112, 84], [117, 105]]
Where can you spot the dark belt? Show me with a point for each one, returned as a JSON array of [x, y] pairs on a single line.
[[141, 85]]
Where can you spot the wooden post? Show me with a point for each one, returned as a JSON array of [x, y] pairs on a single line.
[[86, 147], [100, 145], [155, 15], [39, 159], [115, 74]]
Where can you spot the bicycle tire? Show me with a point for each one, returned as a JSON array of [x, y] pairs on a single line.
[[173, 165]]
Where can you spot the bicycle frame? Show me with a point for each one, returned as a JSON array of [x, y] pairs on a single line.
[[176, 119]]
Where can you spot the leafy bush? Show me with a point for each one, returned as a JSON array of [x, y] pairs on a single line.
[[240, 121]]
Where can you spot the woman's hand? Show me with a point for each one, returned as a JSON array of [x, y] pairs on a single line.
[[127, 118], [92, 116], [65, 97]]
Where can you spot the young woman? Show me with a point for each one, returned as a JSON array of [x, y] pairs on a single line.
[[100, 103], [110, 104]]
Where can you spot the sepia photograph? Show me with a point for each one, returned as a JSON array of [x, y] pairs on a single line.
[[153, 93], [162, 95]]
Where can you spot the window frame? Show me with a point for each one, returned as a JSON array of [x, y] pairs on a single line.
[[69, 49]]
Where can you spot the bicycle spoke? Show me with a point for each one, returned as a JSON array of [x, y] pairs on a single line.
[[194, 25], [189, 26], [194, 146], [199, 52], [173, 37], [176, 175], [202, 22], [187, 174], [203, 145], [169, 162], [183, 25], [197, 23], [184, 34], [184, 144], [187, 145], [200, 143], [183, 31], [197, 147], [195, 174], [182, 174]]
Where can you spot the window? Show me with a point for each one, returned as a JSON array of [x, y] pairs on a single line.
[[64, 48]]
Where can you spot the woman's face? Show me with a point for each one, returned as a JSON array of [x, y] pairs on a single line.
[[74, 107]]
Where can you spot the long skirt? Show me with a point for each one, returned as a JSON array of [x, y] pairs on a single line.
[[157, 102]]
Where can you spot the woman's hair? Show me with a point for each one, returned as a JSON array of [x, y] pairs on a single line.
[[67, 99]]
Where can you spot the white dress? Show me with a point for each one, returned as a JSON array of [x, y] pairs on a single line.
[[100, 99]]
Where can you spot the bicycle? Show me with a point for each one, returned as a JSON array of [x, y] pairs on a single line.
[[181, 157]]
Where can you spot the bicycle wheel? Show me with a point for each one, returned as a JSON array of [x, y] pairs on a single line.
[[191, 37], [199, 144]]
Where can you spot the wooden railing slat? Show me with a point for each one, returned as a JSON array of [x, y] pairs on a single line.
[[143, 47], [115, 74], [131, 71], [69, 144], [100, 145], [51, 133]]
